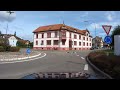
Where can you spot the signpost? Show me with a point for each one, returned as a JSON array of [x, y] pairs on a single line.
[[107, 28], [28, 51], [107, 39]]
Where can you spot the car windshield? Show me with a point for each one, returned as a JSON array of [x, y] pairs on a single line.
[[59, 44]]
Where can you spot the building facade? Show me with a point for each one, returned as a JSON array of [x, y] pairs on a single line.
[[61, 37], [11, 39], [97, 42]]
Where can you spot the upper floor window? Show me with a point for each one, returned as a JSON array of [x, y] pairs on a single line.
[[42, 35], [63, 34], [79, 36], [83, 38], [87, 39], [75, 36], [49, 35], [56, 33], [37, 35], [70, 34]]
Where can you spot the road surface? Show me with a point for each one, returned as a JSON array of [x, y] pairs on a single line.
[[53, 61]]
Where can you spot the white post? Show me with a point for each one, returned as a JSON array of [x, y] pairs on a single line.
[[117, 45]]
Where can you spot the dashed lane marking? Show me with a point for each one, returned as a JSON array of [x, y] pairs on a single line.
[[82, 57], [86, 67]]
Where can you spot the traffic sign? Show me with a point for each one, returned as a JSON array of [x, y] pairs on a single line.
[[28, 51], [107, 28], [108, 40]]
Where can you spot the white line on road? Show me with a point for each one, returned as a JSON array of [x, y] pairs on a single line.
[[77, 55], [24, 60], [82, 57], [86, 67]]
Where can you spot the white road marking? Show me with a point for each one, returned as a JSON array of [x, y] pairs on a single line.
[[77, 55], [20, 58], [24, 60], [86, 67], [82, 57]]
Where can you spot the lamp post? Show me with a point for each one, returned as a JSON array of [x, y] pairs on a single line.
[[95, 29], [10, 12]]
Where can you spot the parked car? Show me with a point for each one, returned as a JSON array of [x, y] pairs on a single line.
[[92, 48]]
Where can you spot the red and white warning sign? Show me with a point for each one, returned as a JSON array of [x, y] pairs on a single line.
[[107, 28]]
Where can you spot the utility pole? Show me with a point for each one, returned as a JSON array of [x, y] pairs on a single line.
[[95, 30], [10, 12]]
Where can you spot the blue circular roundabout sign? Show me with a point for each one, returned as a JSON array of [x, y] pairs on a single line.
[[108, 40]]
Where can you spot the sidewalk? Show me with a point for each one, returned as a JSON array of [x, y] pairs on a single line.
[[10, 56]]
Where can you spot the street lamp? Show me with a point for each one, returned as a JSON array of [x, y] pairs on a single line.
[[10, 12], [95, 29]]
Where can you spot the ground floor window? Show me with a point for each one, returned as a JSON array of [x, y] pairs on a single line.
[[75, 43], [90, 44], [55, 42], [87, 44], [83, 43], [79, 43], [48, 42], [63, 42], [36, 42], [42, 42]]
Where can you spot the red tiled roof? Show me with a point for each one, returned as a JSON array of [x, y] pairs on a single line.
[[59, 27]]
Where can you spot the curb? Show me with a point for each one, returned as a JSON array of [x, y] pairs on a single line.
[[20, 58], [97, 69]]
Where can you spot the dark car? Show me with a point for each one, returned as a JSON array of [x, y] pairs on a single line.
[[92, 48]]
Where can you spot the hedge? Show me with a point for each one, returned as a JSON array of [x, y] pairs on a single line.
[[14, 49], [2, 49], [109, 64]]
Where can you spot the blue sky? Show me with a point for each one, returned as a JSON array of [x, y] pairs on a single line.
[[25, 22]]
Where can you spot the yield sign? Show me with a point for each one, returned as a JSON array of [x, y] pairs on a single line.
[[107, 28]]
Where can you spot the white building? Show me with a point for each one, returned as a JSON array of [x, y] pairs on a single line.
[[61, 37], [10, 38], [12, 41], [97, 42]]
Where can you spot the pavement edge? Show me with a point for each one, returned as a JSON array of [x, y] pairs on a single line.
[[97, 69]]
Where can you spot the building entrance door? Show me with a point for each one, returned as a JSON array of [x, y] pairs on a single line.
[[70, 45]]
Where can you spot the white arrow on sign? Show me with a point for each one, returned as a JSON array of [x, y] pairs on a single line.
[[107, 28]]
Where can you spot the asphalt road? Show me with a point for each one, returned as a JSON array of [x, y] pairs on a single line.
[[54, 61]]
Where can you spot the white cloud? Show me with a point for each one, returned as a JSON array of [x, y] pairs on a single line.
[[85, 14], [99, 29], [110, 18], [110, 15], [4, 16]]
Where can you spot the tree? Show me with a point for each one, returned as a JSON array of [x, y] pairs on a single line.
[[116, 31], [31, 44], [21, 44]]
